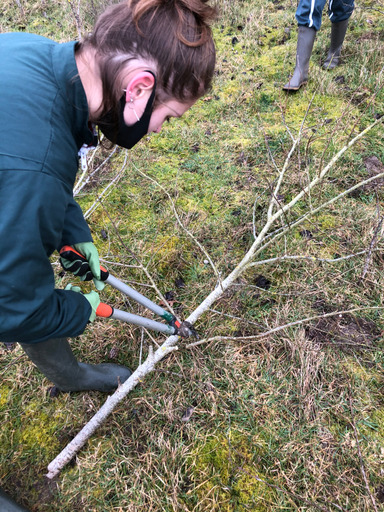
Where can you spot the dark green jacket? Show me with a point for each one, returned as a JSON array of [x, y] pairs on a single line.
[[43, 123]]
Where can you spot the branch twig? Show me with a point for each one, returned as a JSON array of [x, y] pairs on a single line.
[[371, 247], [201, 247], [280, 327]]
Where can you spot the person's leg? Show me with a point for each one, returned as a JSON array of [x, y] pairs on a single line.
[[308, 16], [339, 13], [55, 359], [340, 10], [305, 40], [8, 505], [309, 13]]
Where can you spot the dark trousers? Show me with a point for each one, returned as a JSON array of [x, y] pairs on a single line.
[[309, 12]]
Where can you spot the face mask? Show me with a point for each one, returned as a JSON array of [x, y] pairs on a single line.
[[127, 136]]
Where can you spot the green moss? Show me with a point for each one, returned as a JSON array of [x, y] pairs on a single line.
[[328, 252], [4, 394], [358, 371], [327, 221], [166, 251], [38, 434], [39, 429], [271, 36], [372, 426], [228, 468]]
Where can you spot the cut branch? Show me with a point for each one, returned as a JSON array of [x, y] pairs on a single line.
[[81, 438]]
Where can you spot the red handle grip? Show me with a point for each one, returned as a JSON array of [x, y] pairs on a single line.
[[104, 310], [68, 253]]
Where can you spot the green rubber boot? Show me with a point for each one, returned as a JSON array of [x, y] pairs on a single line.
[[305, 40], [8, 505], [55, 359], [337, 38]]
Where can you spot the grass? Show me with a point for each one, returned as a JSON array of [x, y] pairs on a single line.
[[288, 422]]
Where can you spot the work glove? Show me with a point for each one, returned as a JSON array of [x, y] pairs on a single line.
[[92, 297], [86, 270]]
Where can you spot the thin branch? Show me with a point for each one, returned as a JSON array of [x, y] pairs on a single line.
[[140, 265], [275, 193], [329, 166], [234, 317], [108, 188], [373, 9], [281, 176], [20, 6], [254, 213], [118, 264], [141, 346], [87, 176], [76, 15], [201, 247], [281, 327], [16, 360], [257, 246], [371, 246], [281, 231], [310, 258]]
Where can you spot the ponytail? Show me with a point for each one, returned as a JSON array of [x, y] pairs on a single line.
[[202, 12], [174, 35]]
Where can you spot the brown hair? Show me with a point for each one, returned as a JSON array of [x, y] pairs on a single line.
[[173, 34]]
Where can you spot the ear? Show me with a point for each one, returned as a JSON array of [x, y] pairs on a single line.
[[142, 83]]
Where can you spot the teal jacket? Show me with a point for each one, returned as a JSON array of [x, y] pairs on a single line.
[[43, 123]]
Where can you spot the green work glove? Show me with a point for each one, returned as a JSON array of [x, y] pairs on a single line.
[[92, 297], [89, 269]]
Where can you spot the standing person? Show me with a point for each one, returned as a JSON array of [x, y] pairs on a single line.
[[308, 16], [144, 62]]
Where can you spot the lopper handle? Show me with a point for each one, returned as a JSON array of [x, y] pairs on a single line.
[[69, 253], [104, 310], [144, 301]]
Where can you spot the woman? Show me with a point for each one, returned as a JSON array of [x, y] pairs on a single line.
[[145, 61]]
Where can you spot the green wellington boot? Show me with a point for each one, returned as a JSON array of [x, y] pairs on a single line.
[[8, 505], [305, 40], [55, 359], [337, 38]]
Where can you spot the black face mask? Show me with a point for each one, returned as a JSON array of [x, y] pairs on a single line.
[[127, 136]]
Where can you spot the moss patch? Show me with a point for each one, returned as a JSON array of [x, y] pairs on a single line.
[[228, 474]]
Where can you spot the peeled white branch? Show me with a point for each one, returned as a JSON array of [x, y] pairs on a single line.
[[85, 433]]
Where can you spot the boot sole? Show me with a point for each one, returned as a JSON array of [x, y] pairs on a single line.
[[289, 88]]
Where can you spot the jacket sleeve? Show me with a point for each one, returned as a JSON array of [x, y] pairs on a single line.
[[33, 208], [75, 228]]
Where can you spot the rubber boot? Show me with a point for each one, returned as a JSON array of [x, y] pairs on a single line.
[[338, 32], [305, 40], [8, 505], [55, 359]]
